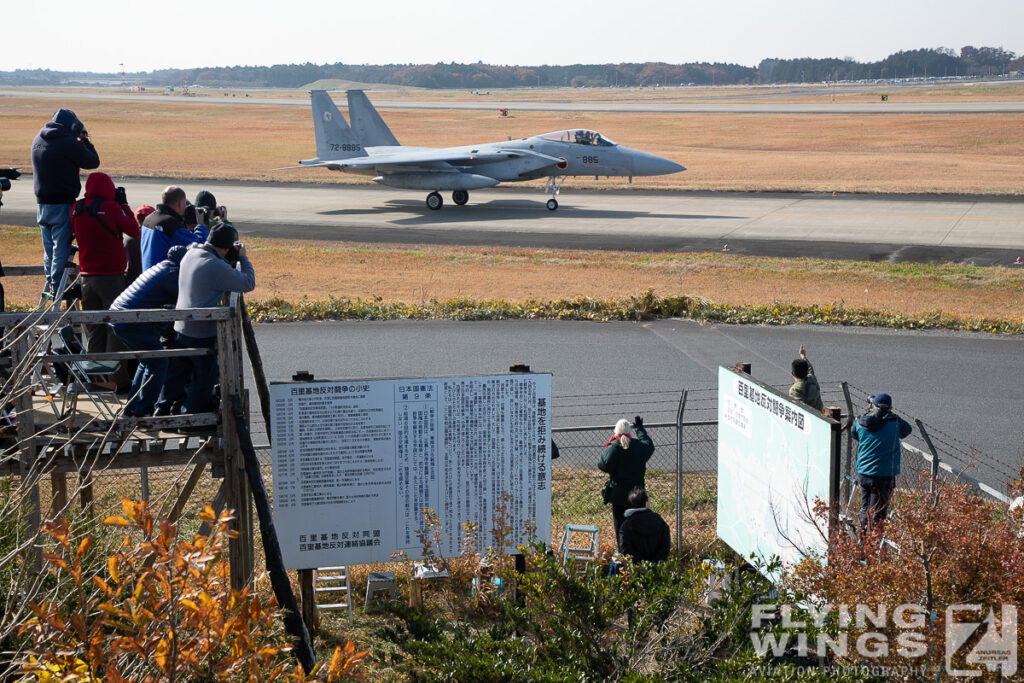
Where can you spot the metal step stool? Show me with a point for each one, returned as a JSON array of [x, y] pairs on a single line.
[[376, 583], [580, 544], [331, 585]]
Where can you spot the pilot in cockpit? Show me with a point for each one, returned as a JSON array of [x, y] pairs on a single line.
[[584, 137]]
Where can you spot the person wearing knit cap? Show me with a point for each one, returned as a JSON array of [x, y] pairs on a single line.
[[878, 433], [207, 273], [625, 461]]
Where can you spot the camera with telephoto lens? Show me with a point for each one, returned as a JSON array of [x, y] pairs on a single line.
[[120, 196], [232, 254], [6, 176], [190, 215]]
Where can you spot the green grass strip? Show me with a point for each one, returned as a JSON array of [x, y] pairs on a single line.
[[646, 306]]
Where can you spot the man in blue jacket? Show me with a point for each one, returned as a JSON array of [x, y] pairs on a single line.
[[156, 287], [878, 434], [166, 227], [59, 152]]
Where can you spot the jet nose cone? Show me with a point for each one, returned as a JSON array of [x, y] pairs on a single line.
[[649, 164]]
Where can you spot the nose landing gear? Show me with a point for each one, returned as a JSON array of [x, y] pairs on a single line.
[[554, 184]]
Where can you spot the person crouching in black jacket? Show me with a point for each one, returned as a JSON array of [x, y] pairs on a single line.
[[643, 535]]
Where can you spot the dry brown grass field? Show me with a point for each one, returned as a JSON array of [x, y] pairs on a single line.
[[818, 92], [978, 153], [410, 274]]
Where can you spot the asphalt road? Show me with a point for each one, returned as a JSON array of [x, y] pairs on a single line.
[[964, 386], [492, 103], [979, 230]]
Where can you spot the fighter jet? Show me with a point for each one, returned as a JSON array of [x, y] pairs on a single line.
[[368, 147]]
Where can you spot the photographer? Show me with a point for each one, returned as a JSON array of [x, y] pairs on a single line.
[[59, 152], [625, 460], [100, 221], [206, 274], [172, 223], [206, 201]]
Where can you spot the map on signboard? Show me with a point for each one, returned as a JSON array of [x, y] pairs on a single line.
[[773, 463], [356, 464]]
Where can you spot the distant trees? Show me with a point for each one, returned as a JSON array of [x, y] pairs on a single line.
[[970, 61]]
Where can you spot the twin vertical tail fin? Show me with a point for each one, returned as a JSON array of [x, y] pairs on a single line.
[[334, 138], [369, 127]]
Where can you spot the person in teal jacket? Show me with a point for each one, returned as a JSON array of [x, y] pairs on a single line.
[[625, 460], [878, 434]]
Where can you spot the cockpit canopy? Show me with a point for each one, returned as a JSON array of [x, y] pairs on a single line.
[[579, 136]]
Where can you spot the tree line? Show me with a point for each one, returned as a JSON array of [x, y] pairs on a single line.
[[970, 61]]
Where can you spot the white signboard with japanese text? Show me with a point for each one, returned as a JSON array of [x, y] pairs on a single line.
[[774, 461], [356, 463]]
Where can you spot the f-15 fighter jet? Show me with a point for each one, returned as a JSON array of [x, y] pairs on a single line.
[[369, 147]]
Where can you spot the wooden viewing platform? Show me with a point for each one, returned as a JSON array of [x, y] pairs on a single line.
[[53, 428]]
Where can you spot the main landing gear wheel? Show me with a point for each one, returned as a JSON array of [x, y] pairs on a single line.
[[460, 197], [552, 204], [434, 201]]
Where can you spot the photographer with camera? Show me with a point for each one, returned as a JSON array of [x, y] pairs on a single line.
[[205, 275], [99, 222], [206, 201], [59, 152], [175, 221], [625, 460]]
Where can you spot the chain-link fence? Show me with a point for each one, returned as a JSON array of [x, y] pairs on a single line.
[[682, 474]]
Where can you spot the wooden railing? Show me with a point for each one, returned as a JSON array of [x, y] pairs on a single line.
[[41, 449]]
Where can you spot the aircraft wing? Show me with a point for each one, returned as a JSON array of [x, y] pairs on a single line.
[[436, 157]]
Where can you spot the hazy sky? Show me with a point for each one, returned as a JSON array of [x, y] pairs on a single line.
[[66, 35]]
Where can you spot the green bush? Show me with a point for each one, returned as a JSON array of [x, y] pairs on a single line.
[[648, 623]]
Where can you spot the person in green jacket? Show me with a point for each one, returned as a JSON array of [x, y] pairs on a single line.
[[625, 460], [805, 385]]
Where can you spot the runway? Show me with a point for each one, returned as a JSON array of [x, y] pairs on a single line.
[[964, 386], [978, 230], [700, 105]]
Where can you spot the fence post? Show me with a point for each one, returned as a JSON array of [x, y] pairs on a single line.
[[833, 485], [935, 455], [236, 486], [849, 442], [679, 470], [20, 363]]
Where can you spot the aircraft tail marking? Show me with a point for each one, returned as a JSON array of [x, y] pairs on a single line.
[[369, 127], [334, 138]]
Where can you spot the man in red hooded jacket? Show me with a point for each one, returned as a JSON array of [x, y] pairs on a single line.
[[100, 221]]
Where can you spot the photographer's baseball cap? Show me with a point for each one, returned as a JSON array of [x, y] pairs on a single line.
[[222, 235], [206, 200], [882, 400]]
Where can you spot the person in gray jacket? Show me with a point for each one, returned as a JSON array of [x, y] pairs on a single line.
[[206, 273]]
